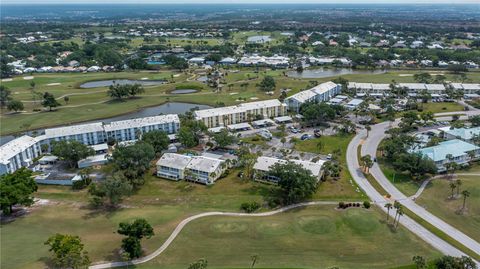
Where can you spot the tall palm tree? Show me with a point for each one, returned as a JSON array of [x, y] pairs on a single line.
[[397, 206], [400, 213], [452, 186], [465, 194], [459, 183], [388, 206], [368, 128]]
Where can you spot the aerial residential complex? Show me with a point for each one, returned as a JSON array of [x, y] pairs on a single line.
[[263, 165], [413, 89], [200, 169], [224, 116], [20, 151], [320, 93]]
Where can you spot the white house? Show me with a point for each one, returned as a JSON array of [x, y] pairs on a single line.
[[263, 165], [451, 151], [172, 166]]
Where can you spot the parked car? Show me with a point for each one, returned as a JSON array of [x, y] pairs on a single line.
[[293, 130], [305, 137], [316, 133], [329, 156]]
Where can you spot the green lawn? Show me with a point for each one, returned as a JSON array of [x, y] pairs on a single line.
[[402, 181], [436, 199], [163, 203], [314, 237], [343, 187]]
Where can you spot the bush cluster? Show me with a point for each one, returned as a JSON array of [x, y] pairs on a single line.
[[250, 207], [343, 205]]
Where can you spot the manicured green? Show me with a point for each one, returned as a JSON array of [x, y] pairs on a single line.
[[313, 237]]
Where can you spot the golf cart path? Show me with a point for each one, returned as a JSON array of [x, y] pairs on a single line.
[[184, 222]]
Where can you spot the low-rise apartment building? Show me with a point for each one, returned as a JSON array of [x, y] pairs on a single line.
[[320, 93], [18, 153], [224, 116], [263, 165]]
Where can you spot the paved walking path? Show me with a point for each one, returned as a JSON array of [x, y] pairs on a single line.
[[184, 222], [377, 134], [421, 189]]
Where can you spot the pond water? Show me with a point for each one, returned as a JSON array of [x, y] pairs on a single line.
[[183, 91], [202, 79], [167, 108], [330, 72], [259, 39], [107, 83]]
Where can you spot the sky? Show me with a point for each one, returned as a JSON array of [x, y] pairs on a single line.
[[240, 1]]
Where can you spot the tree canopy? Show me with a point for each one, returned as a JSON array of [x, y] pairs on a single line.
[[71, 151], [68, 251], [133, 161], [296, 182], [16, 189], [267, 84], [157, 139]]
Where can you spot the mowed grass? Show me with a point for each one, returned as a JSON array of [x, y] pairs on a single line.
[[312, 237], [401, 181], [436, 199], [163, 203], [344, 187]]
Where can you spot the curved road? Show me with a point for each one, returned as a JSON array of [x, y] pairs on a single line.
[[377, 134], [184, 222]]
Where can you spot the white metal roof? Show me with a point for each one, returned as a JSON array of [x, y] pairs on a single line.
[[471, 86], [245, 107], [173, 160], [282, 119], [237, 126], [381, 86], [141, 122], [413, 86], [204, 164], [74, 130], [14, 147], [265, 163], [435, 87]]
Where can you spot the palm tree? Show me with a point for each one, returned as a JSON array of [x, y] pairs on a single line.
[[396, 205], [254, 260], [419, 262], [452, 186], [400, 213], [459, 183], [388, 206], [465, 194], [368, 128]]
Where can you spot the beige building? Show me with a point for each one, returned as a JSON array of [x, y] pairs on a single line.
[[245, 112]]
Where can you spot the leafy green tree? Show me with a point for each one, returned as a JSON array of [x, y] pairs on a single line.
[[5, 96], [187, 137], [224, 138], [419, 262], [71, 151], [135, 89], [317, 114], [457, 68], [5, 69], [267, 84], [68, 251], [134, 231], [157, 139], [49, 101], [133, 161], [449, 262], [422, 77], [16, 189], [112, 190], [136, 63], [415, 164], [118, 91], [15, 105], [367, 162], [296, 183]]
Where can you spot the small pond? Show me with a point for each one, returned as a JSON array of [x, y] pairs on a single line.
[[108, 83], [330, 72], [183, 91]]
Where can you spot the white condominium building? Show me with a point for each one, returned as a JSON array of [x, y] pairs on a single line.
[[18, 153], [126, 130], [320, 93], [224, 116], [88, 134]]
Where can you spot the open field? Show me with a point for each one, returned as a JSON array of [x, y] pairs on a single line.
[[436, 199], [163, 203], [315, 237], [93, 103], [402, 181]]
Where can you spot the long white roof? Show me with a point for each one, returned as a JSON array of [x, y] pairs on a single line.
[[174, 160], [140, 122], [14, 147], [74, 130], [265, 163], [306, 95], [435, 87], [205, 113], [204, 164]]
